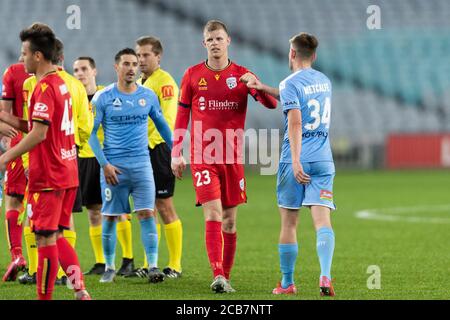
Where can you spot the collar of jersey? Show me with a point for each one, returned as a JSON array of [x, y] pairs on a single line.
[[218, 70]]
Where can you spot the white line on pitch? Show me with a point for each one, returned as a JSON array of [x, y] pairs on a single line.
[[389, 214]]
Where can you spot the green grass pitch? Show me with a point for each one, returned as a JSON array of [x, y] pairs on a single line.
[[413, 257]]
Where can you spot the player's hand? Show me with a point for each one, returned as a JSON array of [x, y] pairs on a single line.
[[299, 174], [111, 173], [251, 81], [5, 143], [7, 130], [178, 165]]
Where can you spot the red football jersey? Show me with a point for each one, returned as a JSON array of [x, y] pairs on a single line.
[[53, 162], [218, 103], [13, 80]]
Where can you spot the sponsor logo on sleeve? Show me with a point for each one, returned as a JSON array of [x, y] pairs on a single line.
[[167, 91], [289, 103], [40, 111], [63, 89], [40, 107]]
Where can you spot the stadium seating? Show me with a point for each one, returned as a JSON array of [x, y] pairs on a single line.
[[393, 79]]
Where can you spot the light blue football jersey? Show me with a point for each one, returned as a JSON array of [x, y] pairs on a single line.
[[124, 118], [309, 91]]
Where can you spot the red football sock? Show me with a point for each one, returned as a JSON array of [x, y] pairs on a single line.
[[14, 232], [229, 250], [47, 271], [69, 263], [214, 246]]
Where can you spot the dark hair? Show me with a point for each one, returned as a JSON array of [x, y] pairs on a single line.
[[213, 25], [91, 61], [59, 52], [304, 44], [124, 52], [152, 41], [41, 38]]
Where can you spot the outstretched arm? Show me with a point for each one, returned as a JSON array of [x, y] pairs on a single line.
[[36, 136], [8, 120], [260, 91]]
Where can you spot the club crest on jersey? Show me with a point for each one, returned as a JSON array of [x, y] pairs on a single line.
[[142, 102], [117, 102], [232, 82]]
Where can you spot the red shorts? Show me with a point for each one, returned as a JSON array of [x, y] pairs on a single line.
[[51, 210], [15, 180], [219, 181]]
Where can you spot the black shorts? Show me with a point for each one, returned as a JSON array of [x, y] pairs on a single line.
[[89, 191], [162, 171]]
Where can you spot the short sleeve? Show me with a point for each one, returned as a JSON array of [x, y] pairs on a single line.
[[97, 107], [289, 96], [8, 85], [185, 90], [44, 103]]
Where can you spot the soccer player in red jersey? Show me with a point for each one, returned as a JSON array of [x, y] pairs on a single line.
[[15, 180], [53, 172], [214, 94]]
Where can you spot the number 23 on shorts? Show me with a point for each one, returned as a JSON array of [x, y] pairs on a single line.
[[202, 178]]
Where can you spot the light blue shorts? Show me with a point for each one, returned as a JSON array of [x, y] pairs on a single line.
[[136, 180], [293, 195]]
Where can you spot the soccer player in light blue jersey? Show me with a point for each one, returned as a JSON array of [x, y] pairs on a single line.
[[306, 171], [123, 109]]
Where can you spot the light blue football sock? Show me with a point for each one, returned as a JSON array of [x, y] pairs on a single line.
[[149, 237], [325, 249], [288, 255], [109, 240]]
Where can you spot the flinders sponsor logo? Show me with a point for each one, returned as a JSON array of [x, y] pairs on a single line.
[[222, 105]]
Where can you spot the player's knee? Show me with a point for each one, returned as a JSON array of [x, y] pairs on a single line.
[[145, 214], [229, 225], [46, 238], [14, 202], [166, 210], [95, 217]]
